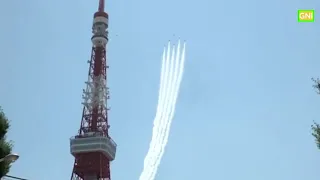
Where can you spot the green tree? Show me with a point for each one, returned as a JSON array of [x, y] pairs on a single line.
[[315, 127], [5, 146]]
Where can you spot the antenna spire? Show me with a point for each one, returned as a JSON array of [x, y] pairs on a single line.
[[101, 6]]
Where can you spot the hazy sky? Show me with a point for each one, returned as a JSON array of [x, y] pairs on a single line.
[[246, 102]]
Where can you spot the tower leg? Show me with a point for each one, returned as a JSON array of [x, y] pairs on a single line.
[[75, 177], [90, 177]]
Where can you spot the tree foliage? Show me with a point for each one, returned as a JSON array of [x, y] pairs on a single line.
[[5, 146], [315, 127], [316, 133]]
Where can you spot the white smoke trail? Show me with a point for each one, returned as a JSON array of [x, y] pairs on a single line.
[[167, 84], [157, 124], [172, 105], [169, 87], [168, 97], [168, 104], [164, 114], [168, 117]]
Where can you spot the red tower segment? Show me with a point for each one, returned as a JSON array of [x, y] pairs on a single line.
[[93, 148]]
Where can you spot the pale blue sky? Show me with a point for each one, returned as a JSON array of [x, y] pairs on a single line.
[[246, 102]]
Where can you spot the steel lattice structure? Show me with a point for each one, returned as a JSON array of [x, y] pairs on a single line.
[[93, 148]]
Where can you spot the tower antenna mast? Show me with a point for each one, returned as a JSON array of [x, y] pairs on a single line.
[[101, 6], [93, 148]]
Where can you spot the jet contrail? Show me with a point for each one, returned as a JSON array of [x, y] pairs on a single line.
[[179, 68], [168, 100], [167, 83], [165, 133], [171, 76], [157, 125], [158, 131], [168, 95]]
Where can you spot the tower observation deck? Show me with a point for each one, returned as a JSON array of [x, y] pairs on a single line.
[[93, 148]]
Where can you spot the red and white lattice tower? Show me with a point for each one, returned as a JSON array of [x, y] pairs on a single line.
[[93, 148]]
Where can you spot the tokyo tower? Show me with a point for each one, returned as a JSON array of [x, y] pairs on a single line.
[[93, 148]]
